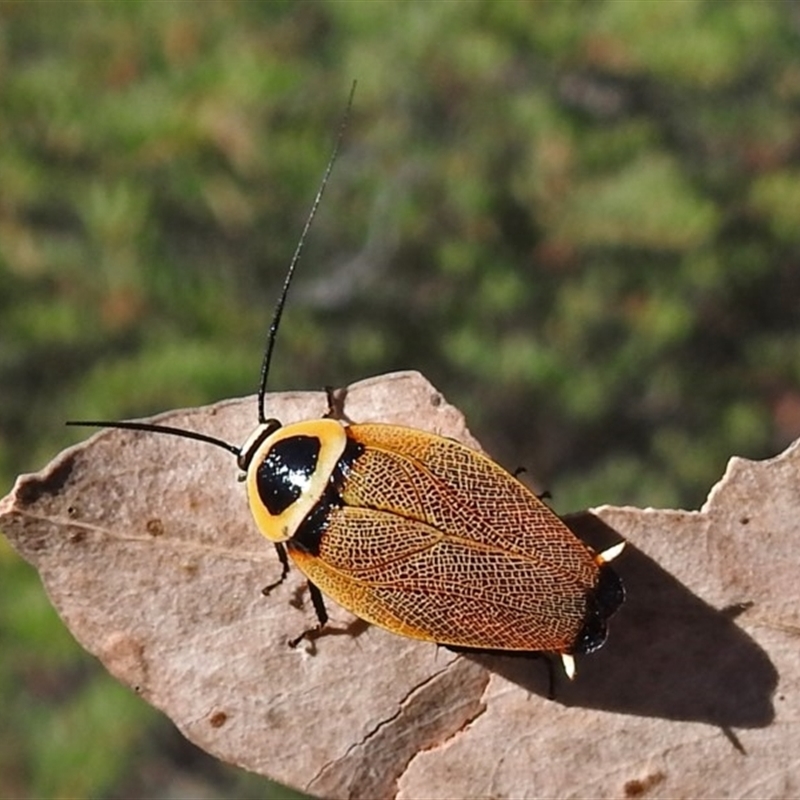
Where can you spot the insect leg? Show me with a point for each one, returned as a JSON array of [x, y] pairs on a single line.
[[545, 495], [530, 654], [319, 604], [336, 399], [321, 611], [284, 571], [551, 679]]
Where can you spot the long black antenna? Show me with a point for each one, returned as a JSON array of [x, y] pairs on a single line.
[[148, 426], [276, 316], [273, 328]]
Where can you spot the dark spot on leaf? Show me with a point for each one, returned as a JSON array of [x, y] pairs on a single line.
[[33, 488], [638, 788], [634, 789], [218, 719], [190, 568]]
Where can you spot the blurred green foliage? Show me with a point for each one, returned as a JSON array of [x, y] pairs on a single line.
[[579, 219]]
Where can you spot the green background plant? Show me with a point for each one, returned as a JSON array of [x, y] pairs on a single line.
[[578, 219]]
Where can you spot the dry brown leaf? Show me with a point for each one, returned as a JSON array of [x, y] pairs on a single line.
[[146, 548]]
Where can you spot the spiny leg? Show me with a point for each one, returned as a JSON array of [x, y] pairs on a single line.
[[547, 658], [545, 495], [336, 400], [284, 559], [321, 611]]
